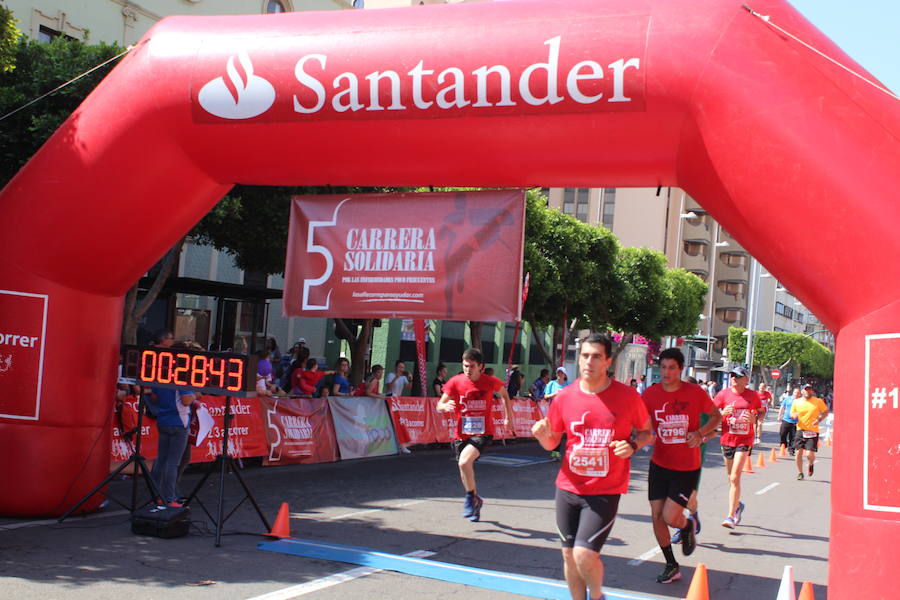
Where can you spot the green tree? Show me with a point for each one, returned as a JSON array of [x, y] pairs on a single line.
[[772, 349], [9, 39]]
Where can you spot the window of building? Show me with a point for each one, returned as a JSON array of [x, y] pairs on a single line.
[[799, 317], [575, 203], [489, 342], [781, 309], [193, 325], [509, 332], [696, 248], [699, 273], [46, 34], [701, 219], [609, 207], [734, 259], [730, 315], [453, 342], [735, 289]]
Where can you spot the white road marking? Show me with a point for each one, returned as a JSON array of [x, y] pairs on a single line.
[[771, 486], [357, 513], [332, 580], [645, 556], [11, 526]]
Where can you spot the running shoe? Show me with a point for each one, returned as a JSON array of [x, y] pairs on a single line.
[[799, 476], [670, 574], [676, 537], [405, 450], [476, 509], [696, 518], [469, 506], [810, 470], [728, 522], [688, 541], [738, 512]]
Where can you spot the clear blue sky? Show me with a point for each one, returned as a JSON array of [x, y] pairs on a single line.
[[867, 30]]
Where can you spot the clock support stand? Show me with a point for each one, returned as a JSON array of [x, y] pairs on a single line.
[[140, 470], [224, 464]]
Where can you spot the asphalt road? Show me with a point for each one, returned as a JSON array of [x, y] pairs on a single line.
[[402, 504]]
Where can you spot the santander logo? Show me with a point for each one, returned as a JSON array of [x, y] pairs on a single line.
[[243, 96]]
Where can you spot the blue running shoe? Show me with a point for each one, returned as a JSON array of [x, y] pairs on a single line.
[[476, 509], [738, 512], [676, 537], [469, 506]]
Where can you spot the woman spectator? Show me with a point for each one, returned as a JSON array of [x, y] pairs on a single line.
[[306, 380], [373, 382], [341, 385], [437, 386]]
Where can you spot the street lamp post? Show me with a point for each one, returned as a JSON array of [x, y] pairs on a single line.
[[756, 275]]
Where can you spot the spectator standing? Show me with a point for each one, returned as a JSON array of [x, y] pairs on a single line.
[[514, 386], [396, 383], [437, 385], [539, 385], [341, 385], [556, 386]]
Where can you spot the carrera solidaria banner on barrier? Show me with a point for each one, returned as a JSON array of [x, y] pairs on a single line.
[[455, 256], [299, 431]]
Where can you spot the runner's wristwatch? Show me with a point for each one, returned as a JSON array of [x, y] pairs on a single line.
[[633, 445]]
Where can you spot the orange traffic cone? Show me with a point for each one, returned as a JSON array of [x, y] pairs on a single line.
[[783, 451], [760, 462], [699, 589], [772, 457], [282, 527], [806, 592], [748, 466]]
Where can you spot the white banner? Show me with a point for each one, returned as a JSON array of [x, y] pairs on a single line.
[[363, 426]]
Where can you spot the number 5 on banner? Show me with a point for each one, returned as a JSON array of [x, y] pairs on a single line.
[[313, 248]]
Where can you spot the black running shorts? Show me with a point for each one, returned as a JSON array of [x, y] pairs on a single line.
[[479, 442], [585, 521], [728, 451], [806, 443], [668, 483]]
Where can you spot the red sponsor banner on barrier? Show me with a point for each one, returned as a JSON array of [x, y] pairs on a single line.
[[374, 255], [501, 431], [23, 323], [444, 423], [124, 434], [298, 431], [412, 418], [525, 414]]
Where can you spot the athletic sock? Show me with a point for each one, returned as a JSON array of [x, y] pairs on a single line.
[[669, 554]]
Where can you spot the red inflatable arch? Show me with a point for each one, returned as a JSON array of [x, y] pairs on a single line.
[[795, 156]]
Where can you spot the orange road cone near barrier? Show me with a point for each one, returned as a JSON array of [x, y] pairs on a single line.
[[772, 457], [806, 592], [699, 589], [760, 462], [748, 466], [783, 451], [282, 527]]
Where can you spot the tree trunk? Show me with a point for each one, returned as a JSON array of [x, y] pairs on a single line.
[[475, 333], [135, 310], [358, 340], [618, 347], [540, 344]]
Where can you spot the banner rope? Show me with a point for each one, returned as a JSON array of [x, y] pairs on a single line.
[[766, 19], [69, 82]]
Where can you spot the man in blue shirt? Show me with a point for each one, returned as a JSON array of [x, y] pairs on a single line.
[[788, 425], [539, 385]]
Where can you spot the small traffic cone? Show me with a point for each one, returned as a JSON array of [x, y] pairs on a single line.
[[772, 457], [760, 462], [787, 590], [282, 527], [748, 466], [806, 592], [699, 589], [783, 451]]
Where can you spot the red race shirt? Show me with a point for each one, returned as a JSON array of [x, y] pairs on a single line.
[[473, 404], [591, 422], [765, 399], [737, 428], [673, 415]]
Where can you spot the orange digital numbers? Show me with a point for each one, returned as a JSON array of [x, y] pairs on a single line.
[[148, 365], [217, 372], [235, 372], [182, 366], [164, 367], [198, 370]]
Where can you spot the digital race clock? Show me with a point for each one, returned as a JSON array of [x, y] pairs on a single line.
[[217, 373]]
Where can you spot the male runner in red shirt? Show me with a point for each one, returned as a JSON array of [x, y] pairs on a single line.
[[765, 400], [675, 407], [470, 396], [605, 422], [740, 408]]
